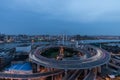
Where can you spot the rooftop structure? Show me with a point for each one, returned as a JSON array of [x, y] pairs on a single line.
[[21, 68], [85, 58], [23, 48]]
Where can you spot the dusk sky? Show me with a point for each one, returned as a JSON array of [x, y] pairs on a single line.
[[85, 17]]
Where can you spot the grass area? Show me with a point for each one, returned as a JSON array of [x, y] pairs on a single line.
[[53, 52]]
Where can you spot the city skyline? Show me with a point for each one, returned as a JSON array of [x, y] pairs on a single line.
[[60, 17]]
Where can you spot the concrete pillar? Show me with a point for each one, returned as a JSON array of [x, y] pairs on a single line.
[[65, 74], [60, 76], [52, 77], [99, 69], [38, 68], [55, 77], [96, 70], [85, 72], [106, 65]]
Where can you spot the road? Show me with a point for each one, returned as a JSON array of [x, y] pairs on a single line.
[[101, 58]]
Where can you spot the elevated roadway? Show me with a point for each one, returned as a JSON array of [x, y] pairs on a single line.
[[102, 57], [116, 66], [29, 76], [91, 76], [75, 75]]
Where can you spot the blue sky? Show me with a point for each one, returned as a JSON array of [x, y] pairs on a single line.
[[85, 17]]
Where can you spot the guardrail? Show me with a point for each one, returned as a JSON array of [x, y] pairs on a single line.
[[100, 58], [29, 76], [91, 76]]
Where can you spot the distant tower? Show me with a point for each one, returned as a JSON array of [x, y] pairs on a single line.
[[66, 37], [100, 45], [76, 44], [49, 37], [32, 42], [63, 39]]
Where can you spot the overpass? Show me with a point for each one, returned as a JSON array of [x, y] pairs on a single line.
[[98, 41], [29, 76], [91, 76], [75, 75], [100, 58]]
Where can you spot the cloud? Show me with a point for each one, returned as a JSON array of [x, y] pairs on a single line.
[[72, 10]]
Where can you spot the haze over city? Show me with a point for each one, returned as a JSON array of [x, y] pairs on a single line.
[[89, 17], [59, 39]]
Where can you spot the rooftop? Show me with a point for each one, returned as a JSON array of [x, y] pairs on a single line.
[[20, 66]]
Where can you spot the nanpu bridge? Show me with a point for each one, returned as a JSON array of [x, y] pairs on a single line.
[[90, 65]]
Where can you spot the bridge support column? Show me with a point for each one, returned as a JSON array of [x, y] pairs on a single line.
[[52, 77], [99, 69], [38, 68], [106, 65], [85, 72], [95, 70], [55, 77], [61, 76], [65, 74]]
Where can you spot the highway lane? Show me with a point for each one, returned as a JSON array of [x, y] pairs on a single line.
[[99, 59], [116, 66], [75, 75], [30, 76], [116, 60], [102, 57], [91, 76]]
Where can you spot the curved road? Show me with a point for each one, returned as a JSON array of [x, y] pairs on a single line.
[[101, 58], [91, 76], [30, 76]]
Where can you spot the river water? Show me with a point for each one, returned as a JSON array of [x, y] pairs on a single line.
[[12, 45]]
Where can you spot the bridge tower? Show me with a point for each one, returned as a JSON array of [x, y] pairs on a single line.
[[63, 39]]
